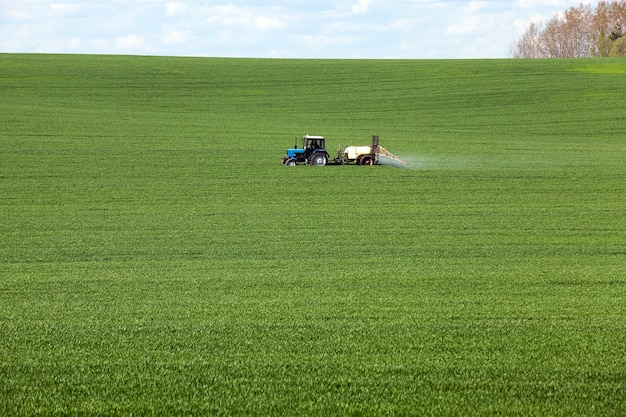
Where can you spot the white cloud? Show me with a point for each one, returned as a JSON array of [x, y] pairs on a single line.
[[476, 6], [266, 23], [22, 11], [64, 8], [401, 24], [175, 9], [361, 6], [245, 17], [174, 36], [12, 14], [130, 42], [75, 43], [467, 25], [472, 18], [533, 4]]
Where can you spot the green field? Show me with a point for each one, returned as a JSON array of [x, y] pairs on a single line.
[[157, 259]]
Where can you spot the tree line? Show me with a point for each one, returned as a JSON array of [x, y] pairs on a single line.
[[582, 31]]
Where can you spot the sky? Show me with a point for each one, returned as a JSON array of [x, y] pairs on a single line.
[[380, 29]]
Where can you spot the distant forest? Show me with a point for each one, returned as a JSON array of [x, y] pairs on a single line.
[[582, 31]]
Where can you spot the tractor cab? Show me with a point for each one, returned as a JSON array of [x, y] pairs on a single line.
[[313, 152], [313, 143]]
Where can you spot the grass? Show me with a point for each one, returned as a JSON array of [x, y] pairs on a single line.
[[157, 259]]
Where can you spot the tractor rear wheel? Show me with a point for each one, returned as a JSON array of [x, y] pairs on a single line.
[[319, 159], [366, 160]]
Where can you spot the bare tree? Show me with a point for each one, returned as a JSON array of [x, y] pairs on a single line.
[[528, 45], [610, 17], [569, 34]]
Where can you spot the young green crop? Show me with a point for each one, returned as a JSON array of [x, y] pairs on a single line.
[[156, 258]]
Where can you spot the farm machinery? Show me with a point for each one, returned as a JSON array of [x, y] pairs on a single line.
[[313, 152]]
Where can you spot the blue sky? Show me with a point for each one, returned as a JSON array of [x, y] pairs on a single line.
[[412, 29]]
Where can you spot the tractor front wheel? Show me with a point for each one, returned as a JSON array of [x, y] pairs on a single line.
[[319, 159], [290, 162]]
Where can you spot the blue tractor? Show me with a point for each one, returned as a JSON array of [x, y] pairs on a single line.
[[313, 152]]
